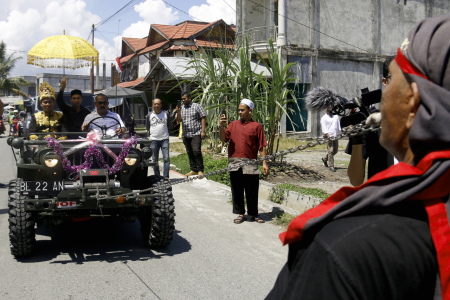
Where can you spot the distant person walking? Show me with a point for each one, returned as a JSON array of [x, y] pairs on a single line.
[[158, 125], [246, 139], [193, 118], [330, 128]]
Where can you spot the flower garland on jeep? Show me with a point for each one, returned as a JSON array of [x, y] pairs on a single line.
[[91, 152]]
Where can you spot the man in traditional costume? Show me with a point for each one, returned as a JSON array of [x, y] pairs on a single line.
[[388, 238], [47, 120]]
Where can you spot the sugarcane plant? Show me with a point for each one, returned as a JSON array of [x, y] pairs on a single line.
[[224, 76]]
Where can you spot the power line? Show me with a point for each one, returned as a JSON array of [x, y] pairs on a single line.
[[183, 11], [311, 28], [229, 5], [114, 14]]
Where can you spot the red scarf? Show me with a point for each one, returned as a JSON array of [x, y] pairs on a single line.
[[431, 197]]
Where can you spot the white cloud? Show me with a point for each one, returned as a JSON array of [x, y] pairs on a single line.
[[27, 23], [215, 10], [152, 12]]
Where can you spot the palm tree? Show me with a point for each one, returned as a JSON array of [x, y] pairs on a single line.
[[9, 85]]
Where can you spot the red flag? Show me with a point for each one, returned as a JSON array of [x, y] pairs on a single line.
[[118, 65]]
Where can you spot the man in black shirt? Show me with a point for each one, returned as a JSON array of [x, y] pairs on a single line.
[[388, 238], [75, 113]]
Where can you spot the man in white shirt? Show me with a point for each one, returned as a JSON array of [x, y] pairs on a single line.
[[158, 124], [106, 119], [330, 128]]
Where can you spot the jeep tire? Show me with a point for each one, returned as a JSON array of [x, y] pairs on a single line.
[[21, 223], [158, 221]]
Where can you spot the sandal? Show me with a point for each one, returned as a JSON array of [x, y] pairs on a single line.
[[240, 219], [258, 220]]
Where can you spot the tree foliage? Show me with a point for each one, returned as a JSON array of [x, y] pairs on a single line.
[[7, 64]]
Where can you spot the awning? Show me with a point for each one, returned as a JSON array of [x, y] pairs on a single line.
[[116, 92], [180, 68]]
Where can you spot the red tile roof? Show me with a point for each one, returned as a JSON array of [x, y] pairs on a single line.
[[153, 47], [183, 30], [212, 44], [127, 58], [131, 83], [137, 44]]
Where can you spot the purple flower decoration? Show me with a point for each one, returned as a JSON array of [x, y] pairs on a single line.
[[89, 155]]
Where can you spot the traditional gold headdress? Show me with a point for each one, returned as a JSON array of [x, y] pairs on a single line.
[[46, 91]]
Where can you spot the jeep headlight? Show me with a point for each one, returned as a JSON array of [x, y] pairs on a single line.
[[130, 161], [51, 162]]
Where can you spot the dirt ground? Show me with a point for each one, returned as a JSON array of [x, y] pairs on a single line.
[[306, 169]]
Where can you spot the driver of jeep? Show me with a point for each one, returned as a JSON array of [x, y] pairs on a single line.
[[103, 119]]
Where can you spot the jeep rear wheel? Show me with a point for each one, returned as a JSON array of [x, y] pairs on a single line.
[[158, 222], [21, 223]]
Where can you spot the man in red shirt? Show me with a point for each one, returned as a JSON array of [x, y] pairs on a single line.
[[246, 138]]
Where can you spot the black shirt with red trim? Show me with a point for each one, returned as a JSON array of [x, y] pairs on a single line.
[[384, 255]]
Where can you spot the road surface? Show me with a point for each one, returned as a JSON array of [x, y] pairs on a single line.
[[209, 257]]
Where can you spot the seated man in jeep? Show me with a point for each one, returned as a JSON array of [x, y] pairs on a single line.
[[104, 119], [47, 120]]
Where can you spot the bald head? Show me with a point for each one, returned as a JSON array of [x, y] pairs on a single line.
[[157, 105]]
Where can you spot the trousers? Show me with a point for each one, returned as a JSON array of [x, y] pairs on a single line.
[[164, 146], [194, 151], [332, 149], [250, 184]]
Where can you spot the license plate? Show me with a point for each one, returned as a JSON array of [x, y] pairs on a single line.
[[66, 204], [41, 187]]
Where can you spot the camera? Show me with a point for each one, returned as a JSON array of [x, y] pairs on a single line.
[[343, 107]]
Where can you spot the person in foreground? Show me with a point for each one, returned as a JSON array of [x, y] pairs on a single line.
[[47, 120], [388, 238], [246, 139], [75, 113], [106, 118]]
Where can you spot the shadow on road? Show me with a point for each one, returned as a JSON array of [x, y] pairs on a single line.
[[3, 185], [107, 240]]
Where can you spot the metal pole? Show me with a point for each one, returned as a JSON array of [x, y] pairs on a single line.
[[92, 67]]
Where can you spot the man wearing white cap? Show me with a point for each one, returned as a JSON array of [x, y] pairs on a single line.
[[246, 138]]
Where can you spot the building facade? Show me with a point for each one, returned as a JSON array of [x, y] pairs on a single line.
[[336, 44]]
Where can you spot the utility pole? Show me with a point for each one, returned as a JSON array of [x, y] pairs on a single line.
[[92, 67]]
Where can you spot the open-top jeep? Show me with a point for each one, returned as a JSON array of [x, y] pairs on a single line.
[[45, 191]]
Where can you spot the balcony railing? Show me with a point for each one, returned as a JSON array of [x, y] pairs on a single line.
[[258, 36]]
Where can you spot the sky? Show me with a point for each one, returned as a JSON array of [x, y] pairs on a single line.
[[23, 23]]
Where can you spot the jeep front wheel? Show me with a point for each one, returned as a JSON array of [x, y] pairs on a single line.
[[21, 223], [158, 222]]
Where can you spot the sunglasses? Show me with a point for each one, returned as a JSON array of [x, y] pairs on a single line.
[[102, 102]]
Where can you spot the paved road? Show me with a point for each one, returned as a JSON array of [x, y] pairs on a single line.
[[209, 258]]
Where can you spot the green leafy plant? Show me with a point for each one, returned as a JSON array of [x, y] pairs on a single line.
[[224, 76], [278, 194], [283, 219], [10, 85]]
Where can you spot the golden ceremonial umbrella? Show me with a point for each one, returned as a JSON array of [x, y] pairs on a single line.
[[63, 51]]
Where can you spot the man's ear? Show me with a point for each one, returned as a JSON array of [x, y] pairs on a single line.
[[413, 104]]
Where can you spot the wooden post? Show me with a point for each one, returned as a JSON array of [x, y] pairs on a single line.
[[92, 67]]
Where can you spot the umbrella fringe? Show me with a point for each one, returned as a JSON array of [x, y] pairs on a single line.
[[68, 63]]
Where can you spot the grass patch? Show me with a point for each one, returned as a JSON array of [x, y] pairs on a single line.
[[177, 147], [278, 193], [210, 162], [283, 219]]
